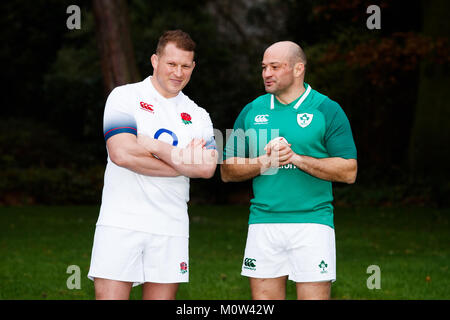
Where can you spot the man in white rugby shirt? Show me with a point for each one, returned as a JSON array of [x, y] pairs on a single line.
[[157, 138]]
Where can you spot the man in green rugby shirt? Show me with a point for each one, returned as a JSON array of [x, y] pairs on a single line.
[[291, 231]]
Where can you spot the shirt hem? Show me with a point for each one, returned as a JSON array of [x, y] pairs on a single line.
[[328, 222]]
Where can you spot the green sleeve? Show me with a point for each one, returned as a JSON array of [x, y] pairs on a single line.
[[237, 143], [338, 135]]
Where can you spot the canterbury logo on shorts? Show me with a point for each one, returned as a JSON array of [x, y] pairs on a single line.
[[250, 263]]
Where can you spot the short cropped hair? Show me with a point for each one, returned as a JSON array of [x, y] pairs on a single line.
[[181, 39], [297, 54]]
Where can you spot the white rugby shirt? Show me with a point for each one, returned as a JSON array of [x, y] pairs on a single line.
[[144, 203]]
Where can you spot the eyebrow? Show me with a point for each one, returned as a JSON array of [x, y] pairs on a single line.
[[271, 63], [182, 64]]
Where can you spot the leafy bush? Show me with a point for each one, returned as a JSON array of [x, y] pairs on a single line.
[[39, 165]]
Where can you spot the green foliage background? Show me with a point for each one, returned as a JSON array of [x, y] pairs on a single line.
[[51, 144]]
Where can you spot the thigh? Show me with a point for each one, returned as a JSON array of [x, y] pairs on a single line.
[[106, 289], [268, 289], [314, 290], [159, 291]]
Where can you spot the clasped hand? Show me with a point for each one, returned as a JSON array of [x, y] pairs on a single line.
[[278, 153]]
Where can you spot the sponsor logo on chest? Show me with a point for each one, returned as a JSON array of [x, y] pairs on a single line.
[[262, 119], [147, 107]]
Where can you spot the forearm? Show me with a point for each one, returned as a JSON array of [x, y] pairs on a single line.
[[199, 163], [125, 152], [240, 169], [331, 169], [146, 164]]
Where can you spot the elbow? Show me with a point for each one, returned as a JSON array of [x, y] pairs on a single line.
[[208, 171], [119, 158], [348, 175], [223, 174], [209, 168], [208, 174], [351, 177]]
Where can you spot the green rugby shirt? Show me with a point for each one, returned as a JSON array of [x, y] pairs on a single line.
[[316, 126]]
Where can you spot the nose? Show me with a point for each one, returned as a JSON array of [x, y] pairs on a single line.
[[266, 73], [178, 71]]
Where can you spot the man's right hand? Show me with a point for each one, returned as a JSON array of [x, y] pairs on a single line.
[[279, 152], [192, 153]]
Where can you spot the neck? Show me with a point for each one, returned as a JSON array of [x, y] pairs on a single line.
[[291, 95], [160, 90]]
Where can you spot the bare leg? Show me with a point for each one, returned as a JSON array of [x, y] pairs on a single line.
[[314, 290], [106, 289], [159, 291], [268, 289]]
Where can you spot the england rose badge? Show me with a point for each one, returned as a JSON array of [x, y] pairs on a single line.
[[186, 118]]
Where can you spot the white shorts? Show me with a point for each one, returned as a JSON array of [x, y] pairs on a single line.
[[305, 252], [138, 257]]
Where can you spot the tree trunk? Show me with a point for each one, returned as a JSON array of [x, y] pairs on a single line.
[[114, 42], [430, 136]]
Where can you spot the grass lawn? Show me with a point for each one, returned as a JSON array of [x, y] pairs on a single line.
[[411, 247]]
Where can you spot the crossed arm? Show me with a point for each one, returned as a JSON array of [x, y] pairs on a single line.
[[333, 169], [137, 154]]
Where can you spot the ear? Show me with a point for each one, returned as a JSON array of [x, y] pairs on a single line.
[[299, 69], [193, 65], [154, 60]]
